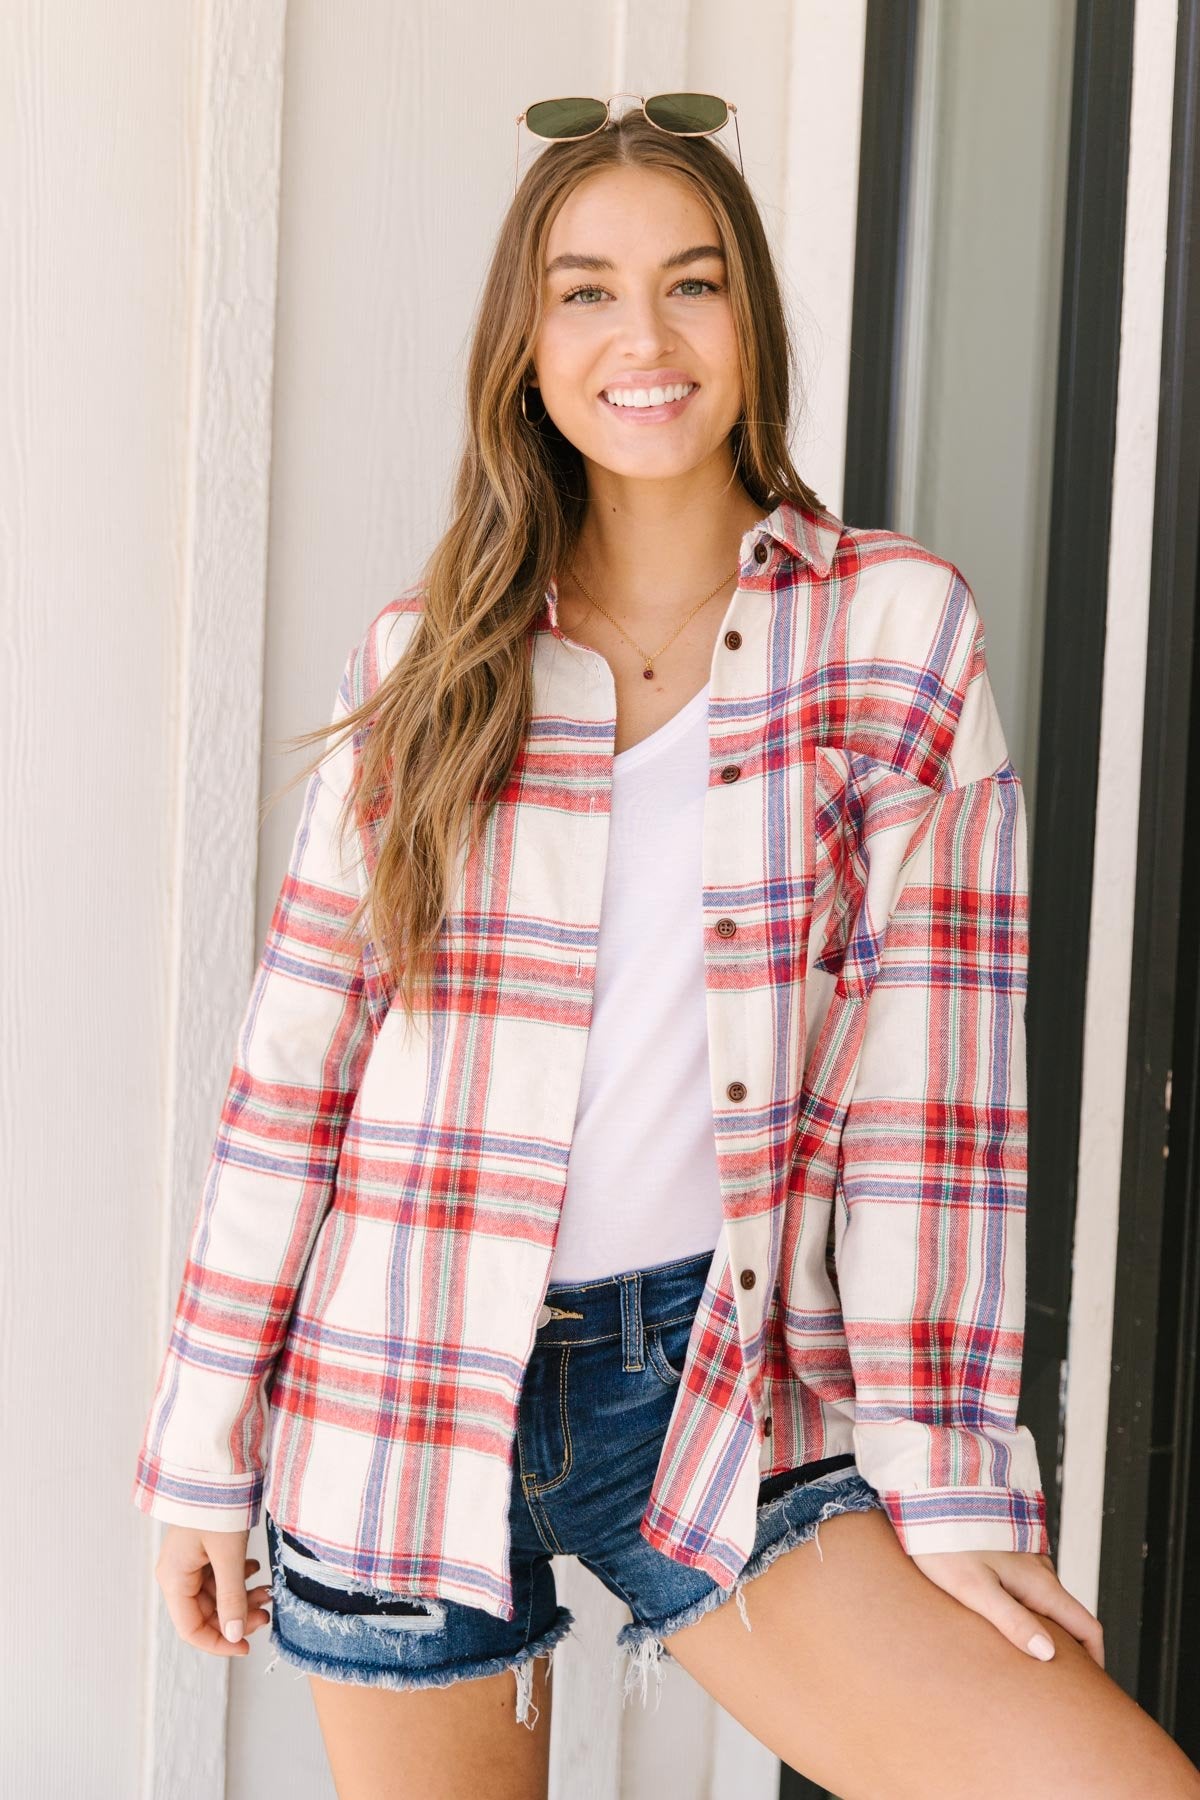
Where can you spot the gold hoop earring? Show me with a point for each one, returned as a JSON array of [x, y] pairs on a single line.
[[525, 386]]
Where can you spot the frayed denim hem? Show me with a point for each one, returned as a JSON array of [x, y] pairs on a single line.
[[642, 1645], [335, 1668]]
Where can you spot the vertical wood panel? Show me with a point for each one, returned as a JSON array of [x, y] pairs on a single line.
[[586, 1735], [819, 201], [95, 178], [226, 479]]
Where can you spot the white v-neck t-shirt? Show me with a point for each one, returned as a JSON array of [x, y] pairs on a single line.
[[642, 1182]]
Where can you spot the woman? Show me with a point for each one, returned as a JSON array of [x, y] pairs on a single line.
[[624, 1152]]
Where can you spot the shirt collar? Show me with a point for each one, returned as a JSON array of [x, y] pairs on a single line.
[[810, 534]]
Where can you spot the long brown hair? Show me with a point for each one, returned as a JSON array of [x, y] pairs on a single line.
[[447, 722]]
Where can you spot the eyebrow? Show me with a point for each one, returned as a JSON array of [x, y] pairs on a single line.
[[572, 260]]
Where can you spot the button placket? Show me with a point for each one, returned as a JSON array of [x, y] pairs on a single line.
[[725, 926]]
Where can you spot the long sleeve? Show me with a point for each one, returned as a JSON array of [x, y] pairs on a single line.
[[300, 1052], [931, 1181]]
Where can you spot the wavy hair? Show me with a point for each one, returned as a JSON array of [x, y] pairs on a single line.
[[443, 730]]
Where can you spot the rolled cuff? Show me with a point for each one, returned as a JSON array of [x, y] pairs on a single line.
[[969, 1518], [201, 1501], [997, 1502]]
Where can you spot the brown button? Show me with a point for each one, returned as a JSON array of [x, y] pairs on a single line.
[[730, 772], [747, 1277], [733, 640], [736, 1090], [767, 1425], [725, 927], [761, 552]]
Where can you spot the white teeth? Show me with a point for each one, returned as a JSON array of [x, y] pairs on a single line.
[[655, 396]]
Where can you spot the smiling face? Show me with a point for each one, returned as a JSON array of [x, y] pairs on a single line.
[[635, 300]]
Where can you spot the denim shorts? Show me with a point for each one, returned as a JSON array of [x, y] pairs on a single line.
[[595, 1403]]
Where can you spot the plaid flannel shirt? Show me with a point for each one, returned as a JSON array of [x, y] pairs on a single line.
[[374, 1237]]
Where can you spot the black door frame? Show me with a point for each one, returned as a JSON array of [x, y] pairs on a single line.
[[1150, 1561], [1063, 850]]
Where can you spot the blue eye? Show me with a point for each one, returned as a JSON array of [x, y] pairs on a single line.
[[687, 281]]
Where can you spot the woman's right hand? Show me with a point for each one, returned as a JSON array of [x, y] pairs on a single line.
[[203, 1576]]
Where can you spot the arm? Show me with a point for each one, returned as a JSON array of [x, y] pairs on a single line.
[[301, 1049], [930, 1209]]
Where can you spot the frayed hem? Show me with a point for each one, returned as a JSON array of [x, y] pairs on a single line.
[[334, 1668], [640, 1658], [643, 1646]]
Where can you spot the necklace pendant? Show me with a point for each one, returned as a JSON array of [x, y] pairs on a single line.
[[647, 674]]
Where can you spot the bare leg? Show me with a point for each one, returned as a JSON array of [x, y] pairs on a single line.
[[865, 1676], [435, 1743]]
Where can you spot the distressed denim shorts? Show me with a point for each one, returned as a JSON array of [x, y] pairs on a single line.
[[594, 1408]]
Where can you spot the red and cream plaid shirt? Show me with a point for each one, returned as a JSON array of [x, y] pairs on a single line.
[[374, 1237]]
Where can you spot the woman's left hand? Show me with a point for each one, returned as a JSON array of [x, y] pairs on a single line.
[[1011, 1587]]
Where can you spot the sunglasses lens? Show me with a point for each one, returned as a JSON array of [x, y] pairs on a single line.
[[565, 118], [687, 112]]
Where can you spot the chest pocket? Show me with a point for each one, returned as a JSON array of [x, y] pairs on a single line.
[[838, 875], [868, 817]]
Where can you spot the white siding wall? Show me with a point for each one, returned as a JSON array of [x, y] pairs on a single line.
[[99, 130]]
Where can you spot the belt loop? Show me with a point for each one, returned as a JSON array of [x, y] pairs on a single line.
[[632, 1338]]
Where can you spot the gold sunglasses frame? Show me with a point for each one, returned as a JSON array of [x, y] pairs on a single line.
[[730, 108]]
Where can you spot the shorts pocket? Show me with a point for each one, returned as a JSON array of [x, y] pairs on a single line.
[[320, 1584], [666, 1350]]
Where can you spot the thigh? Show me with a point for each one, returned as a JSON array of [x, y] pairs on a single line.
[[420, 1698], [435, 1743], [864, 1675]]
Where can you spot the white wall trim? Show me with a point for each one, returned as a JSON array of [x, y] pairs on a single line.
[[918, 259], [825, 49], [240, 48]]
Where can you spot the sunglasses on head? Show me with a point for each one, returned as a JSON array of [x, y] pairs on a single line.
[[684, 115]]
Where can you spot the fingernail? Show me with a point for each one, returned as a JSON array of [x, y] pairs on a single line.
[[1041, 1646], [233, 1631]]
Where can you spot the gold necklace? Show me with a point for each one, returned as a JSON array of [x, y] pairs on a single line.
[[648, 670]]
